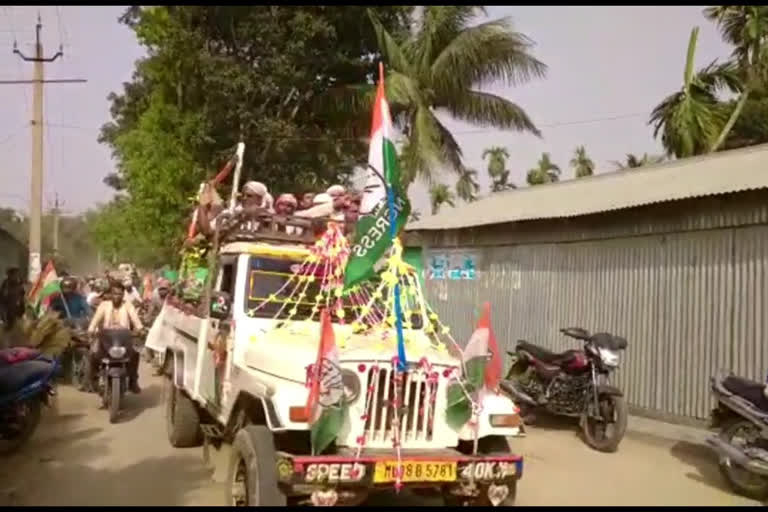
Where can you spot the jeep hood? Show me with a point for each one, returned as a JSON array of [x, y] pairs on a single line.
[[286, 351]]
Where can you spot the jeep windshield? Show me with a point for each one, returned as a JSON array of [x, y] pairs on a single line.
[[267, 277], [269, 296]]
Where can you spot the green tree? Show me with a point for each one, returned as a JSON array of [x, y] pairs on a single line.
[[440, 194], [497, 168], [633, 162], [545, 171], [746, 27], [694, 121], [438, 66], [467, 186], [217, 75], [581, 163]]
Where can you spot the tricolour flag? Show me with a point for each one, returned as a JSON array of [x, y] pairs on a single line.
[[46, 286], [325, 405], [482, 367], [481, 355], [372, 233]]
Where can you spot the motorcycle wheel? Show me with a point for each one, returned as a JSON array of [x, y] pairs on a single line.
[[114, 401], [29, 419], [605, 436], [740, 433], [77, 378]]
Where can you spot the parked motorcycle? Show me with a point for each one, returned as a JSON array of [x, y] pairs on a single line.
[[116, 347], [573, 383], [26, 383], [741, 416]]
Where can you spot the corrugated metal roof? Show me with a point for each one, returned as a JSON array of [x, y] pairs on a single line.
[[724, 172]]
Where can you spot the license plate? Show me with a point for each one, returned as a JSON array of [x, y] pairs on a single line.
[[415, 471]]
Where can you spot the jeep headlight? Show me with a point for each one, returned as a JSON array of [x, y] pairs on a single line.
[[351, 383]]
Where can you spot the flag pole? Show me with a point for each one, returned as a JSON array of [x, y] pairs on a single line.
[[401, 360]]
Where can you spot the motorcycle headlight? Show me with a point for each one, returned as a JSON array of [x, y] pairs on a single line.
[[351, 383], [117, 352], [609, 357]]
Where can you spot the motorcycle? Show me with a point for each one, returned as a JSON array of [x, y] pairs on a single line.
[[573, 383], [78, 351], [116, 345], [26, 383], [741, 416]]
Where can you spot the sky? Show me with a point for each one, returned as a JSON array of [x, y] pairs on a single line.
[[608, 68]]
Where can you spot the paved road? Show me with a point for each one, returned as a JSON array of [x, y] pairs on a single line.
[[78, 458]]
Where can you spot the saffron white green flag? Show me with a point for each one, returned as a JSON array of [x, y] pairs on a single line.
[[372, 234]]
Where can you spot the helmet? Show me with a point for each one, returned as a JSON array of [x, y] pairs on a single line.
[[68, 284]]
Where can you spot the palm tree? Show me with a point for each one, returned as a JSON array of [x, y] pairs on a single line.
[[693, 121], [545, 172], [746, 27], [633, 162], [437, 67], [689, 120], [439, 195], [581, 163], [497, 160], [501, 183], [466, 186]]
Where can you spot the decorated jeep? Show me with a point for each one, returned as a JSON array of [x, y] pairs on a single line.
[[324, 368]]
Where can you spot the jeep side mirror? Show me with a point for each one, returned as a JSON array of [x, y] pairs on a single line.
[[221, 304]]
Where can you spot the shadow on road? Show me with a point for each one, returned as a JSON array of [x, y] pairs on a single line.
[[702, 461], [154, 481], [149, 398]]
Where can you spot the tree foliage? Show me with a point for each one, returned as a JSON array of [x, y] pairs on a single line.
[[581, 163], [440, 194], [695, 120], [217, 75], [633, 161], [438, 67], [546, 171], [467, 186]]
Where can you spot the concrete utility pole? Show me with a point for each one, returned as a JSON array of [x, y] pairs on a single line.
[[55, 213], [36, 179]]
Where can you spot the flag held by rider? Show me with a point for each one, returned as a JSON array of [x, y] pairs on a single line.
[[325, 405], [373, 231]]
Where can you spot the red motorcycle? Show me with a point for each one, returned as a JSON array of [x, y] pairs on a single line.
[[573, 383]]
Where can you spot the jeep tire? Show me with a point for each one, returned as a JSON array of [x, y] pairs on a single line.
[[182, 418], [252, 479]]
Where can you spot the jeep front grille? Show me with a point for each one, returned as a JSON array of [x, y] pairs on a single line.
[[417, 411]]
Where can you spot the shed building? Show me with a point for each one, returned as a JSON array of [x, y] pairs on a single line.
[[673, 256]]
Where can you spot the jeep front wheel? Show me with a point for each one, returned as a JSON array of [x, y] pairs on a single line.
[[252, 479]]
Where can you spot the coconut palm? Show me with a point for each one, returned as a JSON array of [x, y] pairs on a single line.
[[497, 160], [545, 171], [466, 186], [438, 67], [441, 194], [746, 27], [690, 120], [501, 183], [633, 162], [581, 163]]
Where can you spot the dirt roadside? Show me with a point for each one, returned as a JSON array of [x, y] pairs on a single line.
[[78, 458]]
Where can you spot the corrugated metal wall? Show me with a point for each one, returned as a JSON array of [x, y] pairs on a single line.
[[688, 303]]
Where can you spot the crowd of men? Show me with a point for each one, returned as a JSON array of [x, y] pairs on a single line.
[[336, 204]]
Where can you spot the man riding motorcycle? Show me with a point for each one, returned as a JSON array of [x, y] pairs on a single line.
[[70, 303], [114, 313]]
